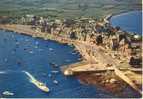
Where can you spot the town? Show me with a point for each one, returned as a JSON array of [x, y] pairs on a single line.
[[100, 44], [93, 31]]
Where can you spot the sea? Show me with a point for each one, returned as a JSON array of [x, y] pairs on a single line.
[[128, 21], [42, 59]]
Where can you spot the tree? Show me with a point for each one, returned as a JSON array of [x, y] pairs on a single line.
[[73, 35]]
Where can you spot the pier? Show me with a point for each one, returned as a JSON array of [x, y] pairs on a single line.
[[96, 58], [103, 63]]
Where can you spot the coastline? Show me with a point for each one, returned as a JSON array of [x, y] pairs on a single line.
[[122, 12], [97, 79], [87, 80]]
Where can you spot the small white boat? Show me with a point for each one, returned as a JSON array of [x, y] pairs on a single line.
[[54, 71], [53, 64], [49, 75], [74, 53], [36, 47], [56, 65], [31, 52], [55, 82], [8, 93], [51, 49]]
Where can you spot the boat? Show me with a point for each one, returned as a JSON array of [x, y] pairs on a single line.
[[54, 72], [49, 75], [8, 93], [31, 52], [67, 60], [37, 83], [36, 47], [73, 53], [55, 82], [53, 65], [51, 49], [41, 86]]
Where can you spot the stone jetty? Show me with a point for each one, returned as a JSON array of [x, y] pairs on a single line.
[[102, 47]]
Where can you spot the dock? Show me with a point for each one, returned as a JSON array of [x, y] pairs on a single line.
[[96, 59], [102, 62]]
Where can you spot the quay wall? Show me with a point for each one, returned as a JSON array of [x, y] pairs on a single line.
[[26, 30]]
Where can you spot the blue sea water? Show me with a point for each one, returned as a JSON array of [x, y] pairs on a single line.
[[130, 21], [23, 53]]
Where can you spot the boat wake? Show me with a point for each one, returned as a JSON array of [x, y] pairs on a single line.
[[8, 71], [37, 83], [3, 72], [31, 78]]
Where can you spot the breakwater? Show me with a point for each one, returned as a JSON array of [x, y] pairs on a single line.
[[42, 59], [90, 52]]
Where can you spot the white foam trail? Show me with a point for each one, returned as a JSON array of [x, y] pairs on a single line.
[[36, 82], [9, 71], [3, 72], [29, 75]]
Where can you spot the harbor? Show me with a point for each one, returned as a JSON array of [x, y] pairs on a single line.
[[20, 53], [101, 52]]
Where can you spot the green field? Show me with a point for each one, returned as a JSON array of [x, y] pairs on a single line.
[[66, 8]]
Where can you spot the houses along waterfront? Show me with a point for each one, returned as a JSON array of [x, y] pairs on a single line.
[[99, 43]]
